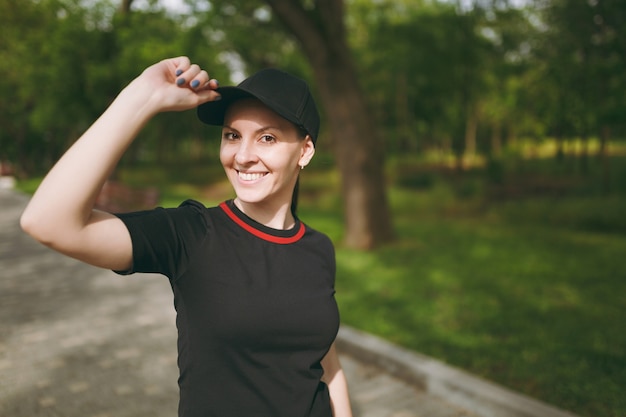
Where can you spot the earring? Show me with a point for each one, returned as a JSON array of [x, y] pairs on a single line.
[[301, 167]]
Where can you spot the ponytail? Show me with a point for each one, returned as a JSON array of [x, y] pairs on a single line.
[[294, 198], [302, 133]]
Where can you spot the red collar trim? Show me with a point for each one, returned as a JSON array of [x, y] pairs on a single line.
[[260, 234]]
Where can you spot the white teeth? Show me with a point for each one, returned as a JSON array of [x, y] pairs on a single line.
[[249, 176]]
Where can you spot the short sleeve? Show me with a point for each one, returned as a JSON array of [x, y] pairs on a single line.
[[165, 240]]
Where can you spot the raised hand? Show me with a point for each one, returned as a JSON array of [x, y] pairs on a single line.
[[176, 84]]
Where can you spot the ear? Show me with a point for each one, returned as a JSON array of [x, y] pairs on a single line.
[[308, 150]]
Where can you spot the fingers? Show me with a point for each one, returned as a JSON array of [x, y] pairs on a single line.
[[193, 76], [181, 63], [192, 82], [187, 76]]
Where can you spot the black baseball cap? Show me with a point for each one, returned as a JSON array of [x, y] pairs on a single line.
[[285, 94]]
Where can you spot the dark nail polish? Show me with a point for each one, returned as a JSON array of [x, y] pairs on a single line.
[[180, 81], [178, 72], [195, 83]]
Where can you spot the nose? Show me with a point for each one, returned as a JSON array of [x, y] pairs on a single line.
[[245, 154]]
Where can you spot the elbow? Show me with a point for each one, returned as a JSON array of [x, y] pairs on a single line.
[[28, 224], [33, 226]]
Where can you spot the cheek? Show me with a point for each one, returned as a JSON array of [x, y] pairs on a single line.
[[280, 163], [225, 155]]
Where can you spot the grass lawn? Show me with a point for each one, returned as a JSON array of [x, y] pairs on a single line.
[[537, 309], [528, 292]]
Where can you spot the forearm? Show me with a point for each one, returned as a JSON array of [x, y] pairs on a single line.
[[335, 378], [339, 396]]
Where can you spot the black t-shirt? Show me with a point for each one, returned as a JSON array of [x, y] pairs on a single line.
[[255, 306]]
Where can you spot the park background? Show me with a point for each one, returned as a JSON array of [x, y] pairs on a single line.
[[471, 167]]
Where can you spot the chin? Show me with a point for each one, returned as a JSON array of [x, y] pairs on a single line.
[[250, 196]]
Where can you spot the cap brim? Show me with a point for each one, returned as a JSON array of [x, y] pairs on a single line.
[[213, 112]]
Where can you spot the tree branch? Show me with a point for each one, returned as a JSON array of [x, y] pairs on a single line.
[[301, 23]]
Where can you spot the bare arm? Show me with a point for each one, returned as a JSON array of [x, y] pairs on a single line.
[[61, 213], [337, 384]]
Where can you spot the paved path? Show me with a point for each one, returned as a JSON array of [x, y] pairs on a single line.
[[76, 341]]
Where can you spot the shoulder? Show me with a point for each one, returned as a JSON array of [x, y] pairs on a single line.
[[317, 235], [201, 216], [195, 208], [190, 216], [319, 240]]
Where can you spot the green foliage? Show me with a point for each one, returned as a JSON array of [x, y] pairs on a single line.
[[270, 46], [65, 63], [581, 55], [434, 73], [430, 67]]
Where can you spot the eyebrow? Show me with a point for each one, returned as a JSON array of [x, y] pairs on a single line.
[[260, 130]]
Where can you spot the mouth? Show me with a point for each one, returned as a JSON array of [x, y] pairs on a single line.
[[250, 176]]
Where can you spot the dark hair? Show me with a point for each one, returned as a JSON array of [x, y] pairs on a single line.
[[294, 197], [302, 134]]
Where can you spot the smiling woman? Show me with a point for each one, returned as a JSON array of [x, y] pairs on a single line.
[[253, 285], [262, 154], [270, 125]]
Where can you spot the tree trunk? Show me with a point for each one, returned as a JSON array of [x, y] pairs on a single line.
[[125, 6], [496, 140], [605, 134], [471, 125], [511, 136], [584, 153], [356, 142], [560, 147], [360, 161], [404, 140]]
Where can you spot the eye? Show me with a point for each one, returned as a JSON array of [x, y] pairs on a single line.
[[230, 136], [268, 139]]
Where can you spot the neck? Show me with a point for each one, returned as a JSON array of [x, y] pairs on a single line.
[[279, 217]]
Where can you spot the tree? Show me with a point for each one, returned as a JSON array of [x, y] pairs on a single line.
[[426, 71], [44, 96], [125, 6], [582, 53], [320, 28]]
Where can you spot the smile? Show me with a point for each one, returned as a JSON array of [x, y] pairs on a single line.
[[251, 176]]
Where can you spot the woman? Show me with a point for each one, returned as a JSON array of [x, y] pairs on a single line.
[[253, 286]]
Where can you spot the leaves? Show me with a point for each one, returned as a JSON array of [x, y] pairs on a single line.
[[555, 67]]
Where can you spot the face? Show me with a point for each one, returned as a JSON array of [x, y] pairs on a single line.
[[261, 153]]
